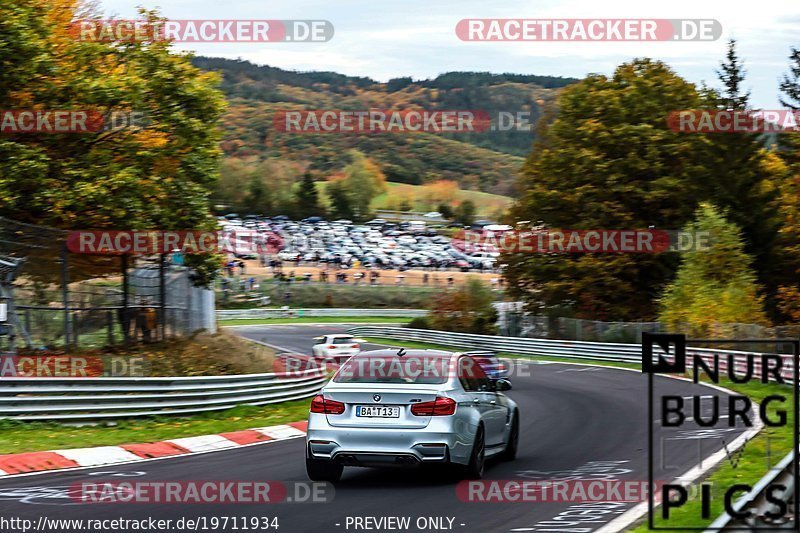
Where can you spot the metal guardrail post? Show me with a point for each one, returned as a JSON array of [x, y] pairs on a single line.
[[65, 295], [162, 289], [124, 317]]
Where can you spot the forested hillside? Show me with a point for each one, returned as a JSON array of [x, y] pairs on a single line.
[[485, 161]]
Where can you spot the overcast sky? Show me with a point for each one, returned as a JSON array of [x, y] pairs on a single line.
[[417, 38]]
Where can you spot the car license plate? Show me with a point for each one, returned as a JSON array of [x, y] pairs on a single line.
[[378, 411]]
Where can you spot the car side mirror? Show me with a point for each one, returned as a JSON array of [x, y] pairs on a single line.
[[502, 385]]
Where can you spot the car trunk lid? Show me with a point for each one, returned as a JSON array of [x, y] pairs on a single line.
[[397, 400]]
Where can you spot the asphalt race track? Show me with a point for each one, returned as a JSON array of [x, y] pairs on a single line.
[[577, 422]]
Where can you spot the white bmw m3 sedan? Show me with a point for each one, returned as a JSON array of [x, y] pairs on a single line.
[[407, 408]]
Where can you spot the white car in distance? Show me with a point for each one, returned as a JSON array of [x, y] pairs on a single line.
[[337, 347]]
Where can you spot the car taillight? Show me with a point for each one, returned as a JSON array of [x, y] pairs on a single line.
[[355, 346], [331, 347], [439, 407], [329, 407]]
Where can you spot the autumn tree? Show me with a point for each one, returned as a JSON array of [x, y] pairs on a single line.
[[439, 192], [465, 309], [152, 175], [608, 161], [402, 199], [715, 286], [156, 173]]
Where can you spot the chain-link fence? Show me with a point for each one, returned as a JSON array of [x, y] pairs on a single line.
[[62, 299], [523, 325], [514, 322]]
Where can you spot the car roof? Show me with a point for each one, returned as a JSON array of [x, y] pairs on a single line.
[[480, 353], [339, 335]]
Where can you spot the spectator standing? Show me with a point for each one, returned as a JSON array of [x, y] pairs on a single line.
[[147, 322]]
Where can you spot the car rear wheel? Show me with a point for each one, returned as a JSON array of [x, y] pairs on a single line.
[[321, 470], [510, 453], [477, 459]]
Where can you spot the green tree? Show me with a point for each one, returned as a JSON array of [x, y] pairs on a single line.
[[258, 186], [363, 181], [307, 197], [446, 210], [465, 309], [340, 201], [787, 161], [714, 287], [464, 213], [790, 87], [257, 196], [608, 161], [732, 74], [738, 181]]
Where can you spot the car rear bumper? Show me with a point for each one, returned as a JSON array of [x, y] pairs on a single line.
[[338, 356], [385, 447]]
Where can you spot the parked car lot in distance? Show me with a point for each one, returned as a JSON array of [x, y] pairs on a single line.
[[376, 244]]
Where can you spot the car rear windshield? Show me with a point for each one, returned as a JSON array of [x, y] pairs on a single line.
[[407, 369], [344, 340]]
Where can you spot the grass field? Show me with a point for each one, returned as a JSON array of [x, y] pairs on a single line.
[[487, 204]]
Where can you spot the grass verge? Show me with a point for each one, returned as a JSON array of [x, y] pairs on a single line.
[[20, 437], [765, 449], [199, 354]]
